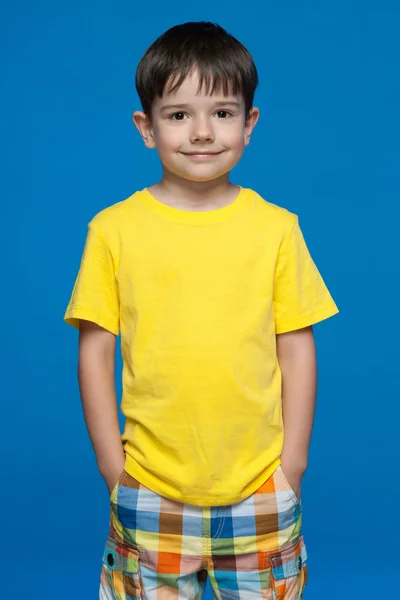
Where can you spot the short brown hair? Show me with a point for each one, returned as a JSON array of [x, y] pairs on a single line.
[[222, 62]]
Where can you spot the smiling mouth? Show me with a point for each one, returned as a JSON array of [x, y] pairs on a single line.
[[201, 153]]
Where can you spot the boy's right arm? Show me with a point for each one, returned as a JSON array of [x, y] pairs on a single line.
[[97, 389]]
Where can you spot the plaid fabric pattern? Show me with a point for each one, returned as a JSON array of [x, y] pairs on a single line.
[[160, 549]]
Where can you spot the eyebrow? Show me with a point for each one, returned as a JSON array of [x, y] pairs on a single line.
[[221, 103]]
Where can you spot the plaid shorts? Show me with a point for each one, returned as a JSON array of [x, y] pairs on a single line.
[[161, 549]]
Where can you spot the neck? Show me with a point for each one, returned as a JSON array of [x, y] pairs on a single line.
[[194, 195]]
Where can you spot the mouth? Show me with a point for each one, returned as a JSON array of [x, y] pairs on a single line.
[[201, 154]]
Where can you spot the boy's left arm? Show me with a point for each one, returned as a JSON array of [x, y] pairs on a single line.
[[297, 361]]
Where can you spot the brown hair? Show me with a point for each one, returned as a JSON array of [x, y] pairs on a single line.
[[222, 62]]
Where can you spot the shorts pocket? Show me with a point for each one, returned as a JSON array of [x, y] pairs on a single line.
[[289, 571], [288, 486], [119, 482], [121, 571]]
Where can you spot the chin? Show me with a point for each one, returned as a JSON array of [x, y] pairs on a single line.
[[202, 174], [198, 177]]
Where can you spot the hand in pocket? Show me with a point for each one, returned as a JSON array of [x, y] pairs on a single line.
[[113, 479], [294, 478]]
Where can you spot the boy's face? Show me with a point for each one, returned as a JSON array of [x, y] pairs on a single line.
[[198, 137]]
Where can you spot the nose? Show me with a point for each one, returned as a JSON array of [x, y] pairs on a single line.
[[202, 131]]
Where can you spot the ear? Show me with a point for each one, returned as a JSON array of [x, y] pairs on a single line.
[[250, 123], [143, 124]]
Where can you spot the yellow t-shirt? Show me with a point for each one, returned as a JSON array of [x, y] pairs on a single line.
[[198, 298]]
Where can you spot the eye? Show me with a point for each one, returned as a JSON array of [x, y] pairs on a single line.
[[179, 116], [224, 113]]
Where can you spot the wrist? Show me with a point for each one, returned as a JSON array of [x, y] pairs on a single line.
[[114, 464], [294, 464]]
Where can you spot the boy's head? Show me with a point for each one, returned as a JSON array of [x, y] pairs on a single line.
[[196, 84]]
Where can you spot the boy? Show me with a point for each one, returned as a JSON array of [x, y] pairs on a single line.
[[214, 294]]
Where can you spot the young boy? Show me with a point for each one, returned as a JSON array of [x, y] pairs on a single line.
[[214, 293]]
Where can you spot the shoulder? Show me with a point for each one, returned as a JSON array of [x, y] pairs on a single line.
[[273, 214], [110, 215], [111, 219]]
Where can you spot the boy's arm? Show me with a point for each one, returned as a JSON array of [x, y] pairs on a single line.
[[97, 388], [297, 360]]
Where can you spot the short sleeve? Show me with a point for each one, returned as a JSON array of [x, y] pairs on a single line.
[[300, 297], [95, 293]]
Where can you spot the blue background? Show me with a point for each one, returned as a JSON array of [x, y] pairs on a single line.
[[326, 147]]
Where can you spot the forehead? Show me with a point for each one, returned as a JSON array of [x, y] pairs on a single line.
[[190, 90]]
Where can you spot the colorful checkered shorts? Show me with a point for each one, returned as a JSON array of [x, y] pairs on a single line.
[[160, 549]]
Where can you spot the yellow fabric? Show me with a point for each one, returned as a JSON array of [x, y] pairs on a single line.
[[198, 298]]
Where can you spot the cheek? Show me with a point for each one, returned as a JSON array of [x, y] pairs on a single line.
[[168, 138], [234, 136]]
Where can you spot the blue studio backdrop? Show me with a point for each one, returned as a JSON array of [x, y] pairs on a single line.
[[326, 147]]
